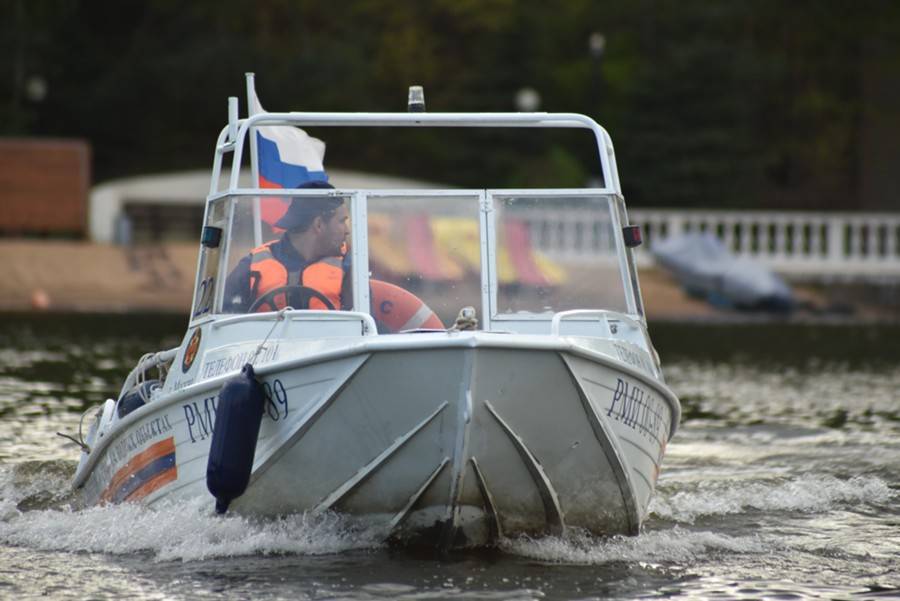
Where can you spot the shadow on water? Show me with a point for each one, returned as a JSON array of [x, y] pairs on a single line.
[[752, 341], [71, 361], [782, 343], [43, 330]]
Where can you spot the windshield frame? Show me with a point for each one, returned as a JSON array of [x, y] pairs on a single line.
[[359, 247]]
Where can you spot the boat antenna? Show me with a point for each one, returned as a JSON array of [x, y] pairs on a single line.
[[416, 100]]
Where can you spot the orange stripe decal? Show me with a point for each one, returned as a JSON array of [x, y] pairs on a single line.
[[154, 484], [162, 453]]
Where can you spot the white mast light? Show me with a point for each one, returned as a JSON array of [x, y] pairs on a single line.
[[416, 102]]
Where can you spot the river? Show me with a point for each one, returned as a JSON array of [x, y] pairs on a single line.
[[783, 482]]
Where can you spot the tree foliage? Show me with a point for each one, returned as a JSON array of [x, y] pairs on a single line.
[[710, 103]]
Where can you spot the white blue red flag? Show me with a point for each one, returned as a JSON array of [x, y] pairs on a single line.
[[286, 158]]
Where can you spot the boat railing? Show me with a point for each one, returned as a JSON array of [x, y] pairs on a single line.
[[367, 322], [233, 136], [158, 360], [236, 136], [612, 318]]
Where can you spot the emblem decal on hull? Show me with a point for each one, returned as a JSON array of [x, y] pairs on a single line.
[[190, 353]]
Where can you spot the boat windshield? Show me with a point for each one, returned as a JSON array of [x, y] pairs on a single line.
[[429, 244], [557, 252], [274, 251], [513, 255]]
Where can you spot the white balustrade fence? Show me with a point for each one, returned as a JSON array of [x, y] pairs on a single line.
[[802, 245]]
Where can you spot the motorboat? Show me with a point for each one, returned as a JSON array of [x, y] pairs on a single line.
[[706, 269], [515, 391]]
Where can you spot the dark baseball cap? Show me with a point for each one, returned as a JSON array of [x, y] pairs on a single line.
[[304, 209]]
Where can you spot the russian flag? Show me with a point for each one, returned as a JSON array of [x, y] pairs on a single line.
[[286, 158]]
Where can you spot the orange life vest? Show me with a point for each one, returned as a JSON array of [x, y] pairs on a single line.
[[325, 276]]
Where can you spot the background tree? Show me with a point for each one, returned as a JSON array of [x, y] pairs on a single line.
[[710, 103]]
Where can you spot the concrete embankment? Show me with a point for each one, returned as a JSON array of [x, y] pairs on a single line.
[[77, 276]]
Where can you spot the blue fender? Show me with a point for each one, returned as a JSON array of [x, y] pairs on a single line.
[[238, 417]]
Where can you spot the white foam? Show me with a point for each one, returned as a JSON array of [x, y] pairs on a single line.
[[189, 531], [804, 494], [673, 545]]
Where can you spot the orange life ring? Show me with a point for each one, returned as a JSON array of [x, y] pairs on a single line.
[[398, 309]]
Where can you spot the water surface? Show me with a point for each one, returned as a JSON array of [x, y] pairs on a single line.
[[782, 483]]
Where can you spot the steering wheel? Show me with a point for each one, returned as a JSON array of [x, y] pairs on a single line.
[[301, 294]]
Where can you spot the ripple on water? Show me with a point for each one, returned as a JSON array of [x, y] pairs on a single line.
[[744, 394], [781, 483], [704, 589]]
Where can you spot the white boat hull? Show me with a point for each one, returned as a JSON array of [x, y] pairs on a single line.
[[458, 443]]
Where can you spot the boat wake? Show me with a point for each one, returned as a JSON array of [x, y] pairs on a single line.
[[188, 532], [36, 511], [654, 547], [684, 544], [806, 494]]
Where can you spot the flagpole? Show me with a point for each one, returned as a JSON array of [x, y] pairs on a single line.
[[252, 109]]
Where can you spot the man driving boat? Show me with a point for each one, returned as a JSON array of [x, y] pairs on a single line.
[[305, 268]]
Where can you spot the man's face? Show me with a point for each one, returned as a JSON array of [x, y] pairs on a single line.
[[335, 232]]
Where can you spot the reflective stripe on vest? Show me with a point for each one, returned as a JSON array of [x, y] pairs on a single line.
[[325, 276]]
